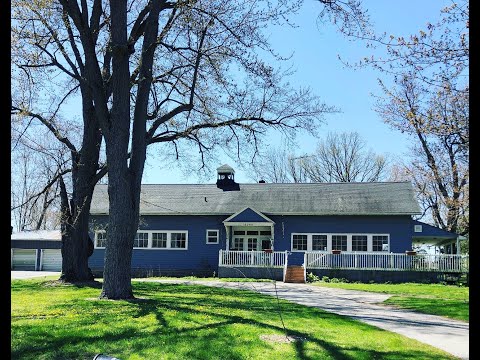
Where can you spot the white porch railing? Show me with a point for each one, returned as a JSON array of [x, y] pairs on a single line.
[[276, 259], [386, 261]]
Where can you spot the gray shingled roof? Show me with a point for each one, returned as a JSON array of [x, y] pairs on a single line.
[[381, 198]]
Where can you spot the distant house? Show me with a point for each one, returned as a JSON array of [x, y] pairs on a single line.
[[36, 250], [263, 229]]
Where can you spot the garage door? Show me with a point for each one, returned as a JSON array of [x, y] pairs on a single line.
[[24, 259], [52, 260]]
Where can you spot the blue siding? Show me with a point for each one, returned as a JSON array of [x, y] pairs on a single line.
[[398, 227], [429, 230], [201, 256], [248, 215]]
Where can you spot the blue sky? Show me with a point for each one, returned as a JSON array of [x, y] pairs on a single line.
[[315, 57]]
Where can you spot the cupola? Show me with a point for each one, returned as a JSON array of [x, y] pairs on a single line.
[[226, 178]]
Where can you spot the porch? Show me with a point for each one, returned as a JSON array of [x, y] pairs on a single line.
[[251, 262]]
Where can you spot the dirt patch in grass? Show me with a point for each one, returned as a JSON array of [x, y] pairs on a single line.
[[135, 300], [282, 338]]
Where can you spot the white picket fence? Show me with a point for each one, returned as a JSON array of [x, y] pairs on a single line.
[[275, 259], [386, 261]]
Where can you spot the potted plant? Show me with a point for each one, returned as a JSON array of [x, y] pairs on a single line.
[[336, 251], [268, 251], [411, 252]]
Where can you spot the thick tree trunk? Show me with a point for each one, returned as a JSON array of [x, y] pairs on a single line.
[[121, 232], [125, 179], [77, 246], [123, 217], [76, 249]]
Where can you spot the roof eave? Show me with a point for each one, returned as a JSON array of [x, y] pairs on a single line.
[[270, 213]]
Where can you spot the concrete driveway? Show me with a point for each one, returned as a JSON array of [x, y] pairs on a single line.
[[451, 336], [18, 274]]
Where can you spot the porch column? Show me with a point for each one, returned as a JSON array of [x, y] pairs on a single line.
[[227, 232], [458, 245], [273, 237]]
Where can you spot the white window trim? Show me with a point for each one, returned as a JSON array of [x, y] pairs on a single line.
[[169, 240], [309, 242], [149, 240], [388, 239], [349, 241], [150, 237], [96, 238], [206, 237]]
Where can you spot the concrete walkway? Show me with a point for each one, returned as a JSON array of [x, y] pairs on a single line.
[[451, 336], [20, 274]]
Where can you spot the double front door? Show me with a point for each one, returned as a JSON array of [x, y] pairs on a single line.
[[250, 244], [251, 238]]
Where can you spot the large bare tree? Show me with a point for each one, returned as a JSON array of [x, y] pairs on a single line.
[[429, 100], [46, 75], [340, 157], [277, 165], [438, 125], [34, 204], [437, 53], [344, 157], [178, 74]]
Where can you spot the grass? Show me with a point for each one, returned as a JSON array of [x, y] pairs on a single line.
[[171, 321], [444, 300]]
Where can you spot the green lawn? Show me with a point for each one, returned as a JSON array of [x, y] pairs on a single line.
[[168, 321], [445, 300]]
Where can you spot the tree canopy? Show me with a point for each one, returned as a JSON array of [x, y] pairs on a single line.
[[183, 75]]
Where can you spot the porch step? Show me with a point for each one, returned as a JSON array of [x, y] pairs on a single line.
[[295, 274]]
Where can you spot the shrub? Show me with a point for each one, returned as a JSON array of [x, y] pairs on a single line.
[[312, 278], [341, 280]]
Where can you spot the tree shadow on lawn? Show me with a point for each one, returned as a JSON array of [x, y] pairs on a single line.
[[47, 285], [205, 332]]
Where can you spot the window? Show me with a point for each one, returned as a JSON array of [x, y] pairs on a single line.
[[380, 243], [252, 232], [319, 242], [339, 242], [299, 242], [178, 240], [266, 244], [101, 238], [359, 242], [238, 232], [212, 236], [159, 240], [141, 240], [237, 244], [266, 232], [417, 228], [252, 244]]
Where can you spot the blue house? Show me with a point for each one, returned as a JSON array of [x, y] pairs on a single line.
[[274, 230]]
